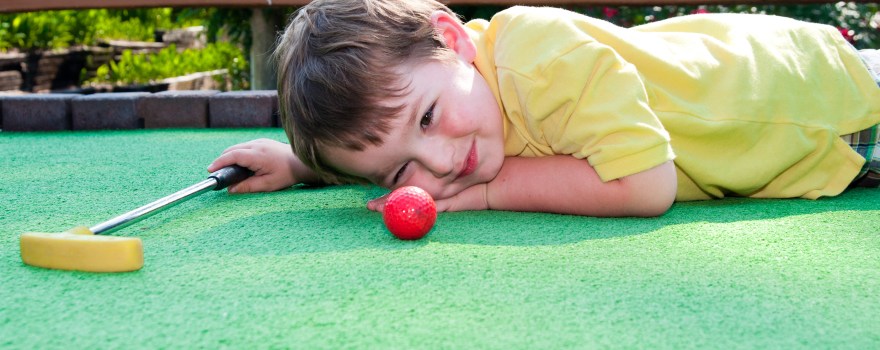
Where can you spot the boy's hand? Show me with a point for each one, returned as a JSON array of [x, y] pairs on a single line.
[[274, 165], [472, 198]]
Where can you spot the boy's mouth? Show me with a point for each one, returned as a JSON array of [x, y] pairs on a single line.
[[470, 163]]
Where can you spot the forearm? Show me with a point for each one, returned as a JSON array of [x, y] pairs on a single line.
[[567, 185]]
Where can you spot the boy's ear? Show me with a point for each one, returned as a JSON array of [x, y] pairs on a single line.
[[455, 35]]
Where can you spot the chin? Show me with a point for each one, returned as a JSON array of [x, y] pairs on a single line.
[[491, 170]]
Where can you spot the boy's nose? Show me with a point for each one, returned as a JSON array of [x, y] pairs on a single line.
[[438, 159]]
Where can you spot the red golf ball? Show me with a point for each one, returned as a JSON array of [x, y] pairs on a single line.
[[409, 213]]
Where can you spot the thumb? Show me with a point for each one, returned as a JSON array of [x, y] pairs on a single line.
[[443, 205], [471, 198], [377, 204]]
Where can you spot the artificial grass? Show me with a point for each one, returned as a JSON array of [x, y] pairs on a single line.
[[313, 268]]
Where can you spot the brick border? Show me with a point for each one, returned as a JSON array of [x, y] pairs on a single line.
[[138, 110], [44, 112]]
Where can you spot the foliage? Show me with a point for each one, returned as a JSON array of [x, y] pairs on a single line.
[[169, 62], [230, 24], [59, 29], [43, 30], [858, 22]]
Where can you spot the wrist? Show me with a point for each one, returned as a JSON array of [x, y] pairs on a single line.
[[487, 203], [302, 173]]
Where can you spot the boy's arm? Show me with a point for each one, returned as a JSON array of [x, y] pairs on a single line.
[[274, 165], [567, 185]]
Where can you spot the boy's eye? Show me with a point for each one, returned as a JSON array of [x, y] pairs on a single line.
[[428, 118], [399, 173]]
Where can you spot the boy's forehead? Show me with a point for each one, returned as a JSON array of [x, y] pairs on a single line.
[[410, 90], [402, 104]]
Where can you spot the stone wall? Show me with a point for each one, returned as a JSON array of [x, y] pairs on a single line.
[[137, 110]]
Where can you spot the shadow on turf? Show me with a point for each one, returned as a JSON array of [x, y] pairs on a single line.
[[342, 229], [302, 231]]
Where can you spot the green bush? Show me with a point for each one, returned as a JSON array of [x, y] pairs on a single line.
[[59, 29], [169, 62], [44, 30]]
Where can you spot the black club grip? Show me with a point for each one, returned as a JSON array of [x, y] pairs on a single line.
[[230, 175]]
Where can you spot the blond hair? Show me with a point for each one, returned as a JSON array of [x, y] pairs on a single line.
[[337, 60]]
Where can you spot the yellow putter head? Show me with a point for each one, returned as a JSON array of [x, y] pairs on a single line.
[[86, 249], [81, 250]]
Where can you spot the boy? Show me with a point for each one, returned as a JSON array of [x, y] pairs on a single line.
[[542, 109]]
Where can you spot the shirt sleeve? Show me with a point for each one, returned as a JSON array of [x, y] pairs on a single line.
[[581, 98]]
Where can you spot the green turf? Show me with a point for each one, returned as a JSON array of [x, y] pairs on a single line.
[[313, 268]]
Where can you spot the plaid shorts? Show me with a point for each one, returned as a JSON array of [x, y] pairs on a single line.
[[867, 142]]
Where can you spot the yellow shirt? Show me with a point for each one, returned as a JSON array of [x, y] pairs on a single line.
[[746, 105]]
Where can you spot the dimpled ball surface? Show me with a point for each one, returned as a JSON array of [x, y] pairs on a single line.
[[409, 213]]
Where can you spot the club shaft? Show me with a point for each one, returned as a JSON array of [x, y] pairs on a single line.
[[154, 207]]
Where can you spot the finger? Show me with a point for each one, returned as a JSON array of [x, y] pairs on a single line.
[[454, 203], [224, 160], [252, 184], [238, 146], [242, 157], [443, 205], [377, 204]]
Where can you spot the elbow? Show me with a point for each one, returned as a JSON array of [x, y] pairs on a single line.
[[658, 206], [654, 196]]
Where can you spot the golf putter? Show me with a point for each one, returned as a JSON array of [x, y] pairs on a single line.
[[85, 249]]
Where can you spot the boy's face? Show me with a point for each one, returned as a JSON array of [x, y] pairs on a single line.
[[449, 137]]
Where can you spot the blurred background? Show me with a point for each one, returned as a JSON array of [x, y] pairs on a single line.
[[156, 49]]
